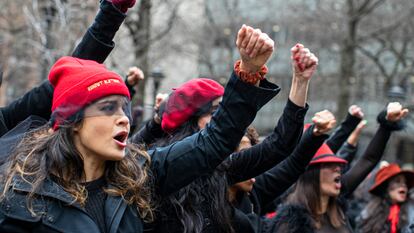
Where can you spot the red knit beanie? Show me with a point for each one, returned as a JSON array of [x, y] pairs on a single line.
[[77, 83], [186, 100]]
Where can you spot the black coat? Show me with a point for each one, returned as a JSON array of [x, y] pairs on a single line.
[[172, 167], [273, 183], [240, 166], [96, 45]]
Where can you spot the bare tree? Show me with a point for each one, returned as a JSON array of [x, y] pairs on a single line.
[[140, 28]]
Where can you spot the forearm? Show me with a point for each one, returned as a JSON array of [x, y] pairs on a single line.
[[276, 147], [367, 162], [97, 43], [38, 101], [299, 91], [341, 134], [277, 180]]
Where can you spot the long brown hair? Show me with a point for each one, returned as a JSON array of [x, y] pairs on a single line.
[[42, 155], [307, 194], [375, 215]]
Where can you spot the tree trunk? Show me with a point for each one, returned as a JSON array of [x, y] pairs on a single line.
[[347, 69], [143, 37]]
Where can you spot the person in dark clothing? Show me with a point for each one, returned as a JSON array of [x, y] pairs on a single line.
[[268, 186], [315, 205], [387, 210], [335, 140], [46, 185], [348, 152], [95, 45], [203, 205]]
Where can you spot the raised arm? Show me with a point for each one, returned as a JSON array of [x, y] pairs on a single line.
[[350, 147], [95, 45], [286, 135], [277, 180], [337, 138], [180, 163], [388, 122]]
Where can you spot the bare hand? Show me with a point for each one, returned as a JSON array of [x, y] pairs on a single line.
[[324, 121], [356, 111], [395, 112], [255, 48], [135, 75], [304, 62], [158, 100]]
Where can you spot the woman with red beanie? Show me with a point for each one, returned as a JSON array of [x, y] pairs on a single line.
[[317, 202], [387, 212], [82, 175]]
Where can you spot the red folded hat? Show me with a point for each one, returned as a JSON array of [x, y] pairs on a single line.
[[326, 155], [77, 83], [186, 100], [386, 173]]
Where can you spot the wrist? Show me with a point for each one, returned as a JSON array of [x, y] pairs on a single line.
[[248, 68], [247, 75]]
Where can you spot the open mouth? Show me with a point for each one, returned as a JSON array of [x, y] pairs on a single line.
[[337, 179], [121, 137], [402, 192]]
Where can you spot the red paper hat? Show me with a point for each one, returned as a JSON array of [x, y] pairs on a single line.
[[187, 99], [326, 155], [386, 173], [79, 82]]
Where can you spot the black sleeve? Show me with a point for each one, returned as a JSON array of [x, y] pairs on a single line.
[[342, 132], [348, 153], [97, 43], [38, 101], [277, 180], [148, 134], [359, 171], [178, 164], [276, 147]]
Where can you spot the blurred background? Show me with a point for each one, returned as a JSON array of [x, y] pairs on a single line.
[[365, 49]]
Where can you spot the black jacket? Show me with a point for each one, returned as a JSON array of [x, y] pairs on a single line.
[[273, 183], [172, 167], [238, 167], [96, 45]]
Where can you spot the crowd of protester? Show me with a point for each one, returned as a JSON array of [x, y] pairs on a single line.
[[71, 163]]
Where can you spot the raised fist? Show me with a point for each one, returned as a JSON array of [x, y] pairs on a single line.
[[356, 111], [158, 100], [324, 121], [255, 48], [304, 62], [395, 112], [134, 75]]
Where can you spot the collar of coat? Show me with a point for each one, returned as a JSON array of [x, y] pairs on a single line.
[[48, 189], [115, 206]]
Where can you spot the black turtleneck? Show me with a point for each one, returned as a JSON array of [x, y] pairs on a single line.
[[95, 203]]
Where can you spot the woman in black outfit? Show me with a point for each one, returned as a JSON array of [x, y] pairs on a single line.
[[83, 176], [203, 205], [317, 204]]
